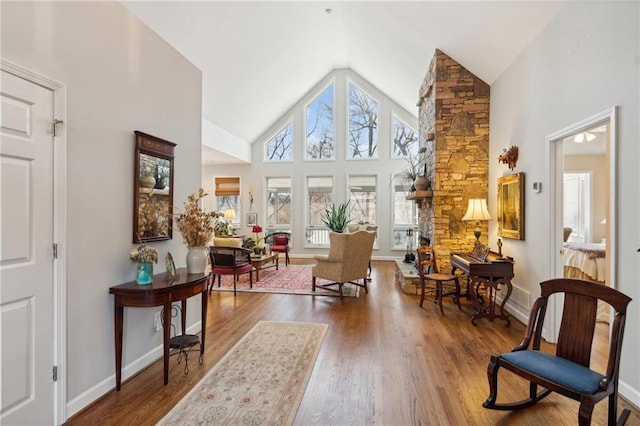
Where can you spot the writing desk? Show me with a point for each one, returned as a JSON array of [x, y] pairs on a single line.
[[160, 293], [493, 273]]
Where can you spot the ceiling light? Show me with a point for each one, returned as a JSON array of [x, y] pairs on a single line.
[[581, 137], [328, 11]]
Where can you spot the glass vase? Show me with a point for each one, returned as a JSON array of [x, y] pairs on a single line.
[[144, 273], [196, 259]]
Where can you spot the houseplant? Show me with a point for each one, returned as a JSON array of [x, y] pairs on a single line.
[[337, 217], [145, 256], [257, 230], [197, 226]]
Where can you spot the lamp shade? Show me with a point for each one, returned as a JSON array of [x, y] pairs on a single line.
[[230, 214], [477, 210]]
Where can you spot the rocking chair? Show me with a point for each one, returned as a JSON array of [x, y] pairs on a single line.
[[567, 372]]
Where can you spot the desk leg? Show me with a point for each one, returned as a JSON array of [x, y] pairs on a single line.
[[203, 321], [118, 325], [167, 335], [183, 316]]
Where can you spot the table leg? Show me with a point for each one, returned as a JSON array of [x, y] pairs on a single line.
[[183, 316], [257, 268], [277, 262], [118, 325], [203, 321], [167, 336]]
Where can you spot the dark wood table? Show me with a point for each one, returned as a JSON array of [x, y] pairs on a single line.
[[161, 292], [259, 262]]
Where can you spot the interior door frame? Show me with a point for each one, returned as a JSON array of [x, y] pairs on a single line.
[[59, 211], [555, 171]]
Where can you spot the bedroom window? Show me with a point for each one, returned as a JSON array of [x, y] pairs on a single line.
[[577, 206], [319, 126], [280, 147], [363, 125]]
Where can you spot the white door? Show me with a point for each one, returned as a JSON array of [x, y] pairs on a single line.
[[26, 263]]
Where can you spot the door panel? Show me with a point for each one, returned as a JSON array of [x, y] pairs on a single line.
[[26, 265]]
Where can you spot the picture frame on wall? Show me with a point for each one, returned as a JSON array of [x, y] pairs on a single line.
[[511, 206], [252, 219]]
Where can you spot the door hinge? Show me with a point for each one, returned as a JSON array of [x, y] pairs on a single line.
[[55, 251], [55, 373], [56, 126]]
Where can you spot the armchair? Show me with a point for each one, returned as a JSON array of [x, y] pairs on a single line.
[[279, 243], [230, 261], [347, 261]]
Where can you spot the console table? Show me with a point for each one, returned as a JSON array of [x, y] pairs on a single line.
[[161, 292]]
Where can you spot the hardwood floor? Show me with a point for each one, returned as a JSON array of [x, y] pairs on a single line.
[[384, 361]]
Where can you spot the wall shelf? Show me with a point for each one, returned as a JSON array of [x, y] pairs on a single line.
[[420, 195]]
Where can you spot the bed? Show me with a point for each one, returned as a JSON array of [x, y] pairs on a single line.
[[585, 260]]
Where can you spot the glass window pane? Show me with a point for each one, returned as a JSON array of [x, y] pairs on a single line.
[[278, 201], [405, 139], [362, 197], [363, 125], [280, 147], [405, 214], [320, 126], [320, 193]]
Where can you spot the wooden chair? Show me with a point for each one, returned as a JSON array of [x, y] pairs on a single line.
[[230, 261], [347, 261], [567, 372], [279, 243], [428, 271]]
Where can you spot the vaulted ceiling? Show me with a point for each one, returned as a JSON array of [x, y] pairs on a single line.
[[259, 58]]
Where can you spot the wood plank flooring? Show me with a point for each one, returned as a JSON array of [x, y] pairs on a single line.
[[384, 361]]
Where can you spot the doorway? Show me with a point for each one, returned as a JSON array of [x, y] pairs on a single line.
[[586, 148]]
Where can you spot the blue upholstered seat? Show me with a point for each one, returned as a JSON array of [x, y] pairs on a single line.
[[556, 369]]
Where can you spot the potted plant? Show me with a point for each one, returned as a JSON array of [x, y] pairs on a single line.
[[412, 170], [337, 217], [197, 227]]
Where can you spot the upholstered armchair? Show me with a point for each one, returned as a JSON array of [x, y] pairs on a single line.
[[347, 261], [279, 243]]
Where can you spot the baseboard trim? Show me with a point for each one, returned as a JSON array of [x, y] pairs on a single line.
[[94, 393]]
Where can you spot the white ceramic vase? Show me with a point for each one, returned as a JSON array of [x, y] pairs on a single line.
[[197, 259]]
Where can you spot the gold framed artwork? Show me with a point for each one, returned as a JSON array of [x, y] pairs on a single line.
[[511, 206]]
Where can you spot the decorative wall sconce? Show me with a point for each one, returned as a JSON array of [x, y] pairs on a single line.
[[509, 157]]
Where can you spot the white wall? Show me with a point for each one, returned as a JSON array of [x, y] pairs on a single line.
[[383, 167], [120, 77], [584, 62]]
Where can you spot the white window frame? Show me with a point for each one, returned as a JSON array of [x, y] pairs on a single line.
[[582, 233], [347, 112], [316, 94], [394, 117], [278, 226], [289, 122], [320, 229], [403, 227]]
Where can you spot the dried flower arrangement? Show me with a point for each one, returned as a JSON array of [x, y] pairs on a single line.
[[144, 254], [196, 225]]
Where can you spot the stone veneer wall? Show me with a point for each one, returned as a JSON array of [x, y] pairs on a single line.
[[454, 105]]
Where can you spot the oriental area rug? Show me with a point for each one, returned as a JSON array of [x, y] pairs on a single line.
[[260, 381], [292, 279]]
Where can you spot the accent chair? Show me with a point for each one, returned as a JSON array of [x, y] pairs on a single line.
[[279, 243], [230, 261], [428, 272], [568, 371], [347, 261]]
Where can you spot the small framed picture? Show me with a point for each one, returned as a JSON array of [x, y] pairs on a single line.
[[171, 268], [252, 219]]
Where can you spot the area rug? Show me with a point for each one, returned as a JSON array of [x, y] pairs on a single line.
[[260, 381], [292, 279]]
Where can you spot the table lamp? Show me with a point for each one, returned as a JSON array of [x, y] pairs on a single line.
[[230, 214], [477, 210]]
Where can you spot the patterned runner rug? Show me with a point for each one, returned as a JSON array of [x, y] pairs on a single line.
[[260, 381], [292, 279]]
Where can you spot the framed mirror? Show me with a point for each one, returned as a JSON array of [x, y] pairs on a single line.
[[153, 189]]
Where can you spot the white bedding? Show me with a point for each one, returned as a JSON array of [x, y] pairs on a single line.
[[594, 268]]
